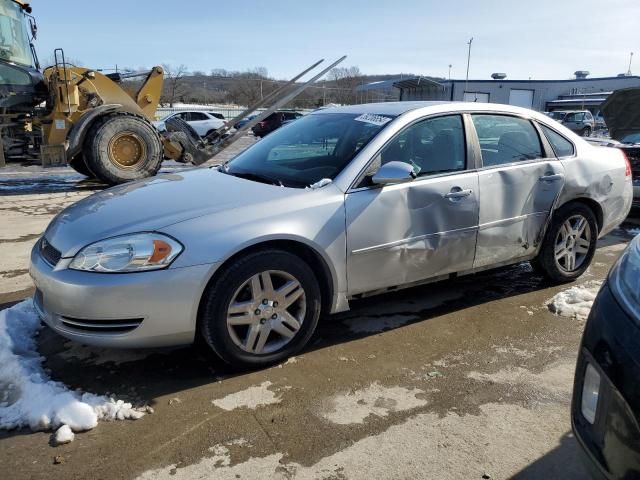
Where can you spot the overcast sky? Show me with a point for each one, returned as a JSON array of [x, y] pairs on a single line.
[[543, 39]]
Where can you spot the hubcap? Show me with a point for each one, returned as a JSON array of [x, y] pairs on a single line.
[[266, 312], [127, 149], [572, 243]]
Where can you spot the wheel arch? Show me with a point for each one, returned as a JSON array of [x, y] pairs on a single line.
[[593, 205], [307, 253], [78, 132]]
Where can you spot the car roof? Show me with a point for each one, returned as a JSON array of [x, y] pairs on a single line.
[[399, 108]]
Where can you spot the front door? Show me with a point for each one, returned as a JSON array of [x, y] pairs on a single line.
[[398, 234], [518, 185]]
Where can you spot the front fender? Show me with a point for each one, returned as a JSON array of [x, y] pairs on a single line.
[[79, 130]]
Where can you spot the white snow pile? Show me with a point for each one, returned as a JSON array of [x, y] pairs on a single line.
[[575, 302], [320, 183], [29, 398]]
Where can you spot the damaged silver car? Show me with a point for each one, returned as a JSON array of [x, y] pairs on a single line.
[[343, 203]]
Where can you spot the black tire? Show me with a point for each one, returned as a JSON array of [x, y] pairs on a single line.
[[546, 262], [212, 322], [79, 165], [99, 151], [586, 132]]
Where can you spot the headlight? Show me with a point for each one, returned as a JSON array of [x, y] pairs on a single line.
[[625, 277], [128, 253]]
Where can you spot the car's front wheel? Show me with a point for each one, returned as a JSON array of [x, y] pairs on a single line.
[[586, 132], [569, 244], [262, 309]]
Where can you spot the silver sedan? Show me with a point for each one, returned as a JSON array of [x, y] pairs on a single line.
[[343, 203]]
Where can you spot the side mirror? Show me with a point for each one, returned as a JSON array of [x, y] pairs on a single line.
[[394, 172]]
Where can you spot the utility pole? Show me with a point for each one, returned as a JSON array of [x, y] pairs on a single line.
[[466, 82], [629, 69], [450, 71]]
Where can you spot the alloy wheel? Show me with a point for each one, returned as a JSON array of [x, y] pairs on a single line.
[[572, 243], [266, 312]]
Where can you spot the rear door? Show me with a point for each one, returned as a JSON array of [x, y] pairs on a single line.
[[398, 234], [519, 182], [574, 121]]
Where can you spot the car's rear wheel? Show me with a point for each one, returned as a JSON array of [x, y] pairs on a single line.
[[569, 244], [586, 131], [262, 309]]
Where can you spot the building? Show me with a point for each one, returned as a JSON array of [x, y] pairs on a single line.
[[541, 95]]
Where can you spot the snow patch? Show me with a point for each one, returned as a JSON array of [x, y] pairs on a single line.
[[575, 302], [376, 400], [633, 231], [320, 183], [251, 398], [29, 398], [63, 435]]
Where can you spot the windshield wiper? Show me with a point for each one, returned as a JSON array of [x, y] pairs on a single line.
[[257, 177]]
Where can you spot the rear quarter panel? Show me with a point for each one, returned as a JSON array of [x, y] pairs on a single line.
[[598, 173]]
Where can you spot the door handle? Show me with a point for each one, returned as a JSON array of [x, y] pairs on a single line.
[[552, 177], [457, 193]]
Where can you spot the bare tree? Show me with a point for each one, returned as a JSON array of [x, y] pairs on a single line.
[[174, 88], [343, 82], [250, 86]]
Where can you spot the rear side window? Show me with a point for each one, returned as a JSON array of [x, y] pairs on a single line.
[[561, 146], [504, 139]]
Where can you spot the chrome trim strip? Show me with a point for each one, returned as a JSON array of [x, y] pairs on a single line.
[[484, 226], [403, 241]]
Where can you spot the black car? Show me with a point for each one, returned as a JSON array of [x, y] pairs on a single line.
[[273, 122], [605, 412]]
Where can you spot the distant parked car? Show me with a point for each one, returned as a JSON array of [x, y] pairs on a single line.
[[578, 121], [343, 203], [273, 122], [605, 412], [244, 121], [202, 122]]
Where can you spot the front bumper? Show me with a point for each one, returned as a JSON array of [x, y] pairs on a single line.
[[611, 344], [132, 310]]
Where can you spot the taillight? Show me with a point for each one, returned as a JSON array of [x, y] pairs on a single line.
[[627, 170]]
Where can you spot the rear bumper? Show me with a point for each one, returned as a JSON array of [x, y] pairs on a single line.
[[611, 344], [146, 309]]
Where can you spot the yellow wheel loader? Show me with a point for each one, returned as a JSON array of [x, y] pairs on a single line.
[[78, 116]]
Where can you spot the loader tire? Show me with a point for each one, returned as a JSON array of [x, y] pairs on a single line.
[[121, 147], [79, 164]]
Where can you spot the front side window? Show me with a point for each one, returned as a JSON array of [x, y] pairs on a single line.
[[434, 145], [196, 116], [315, 147], [504, 139], [561, 146]]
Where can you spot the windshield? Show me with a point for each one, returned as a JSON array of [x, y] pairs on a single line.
[[313, 148], [557, 115], [14, 41]]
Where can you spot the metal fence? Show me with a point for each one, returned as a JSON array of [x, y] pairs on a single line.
[[229, 111]]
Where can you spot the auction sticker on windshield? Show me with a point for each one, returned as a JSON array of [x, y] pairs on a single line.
[[373, 118]]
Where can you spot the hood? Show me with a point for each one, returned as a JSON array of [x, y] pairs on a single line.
[[153, 203], [621, 111]]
